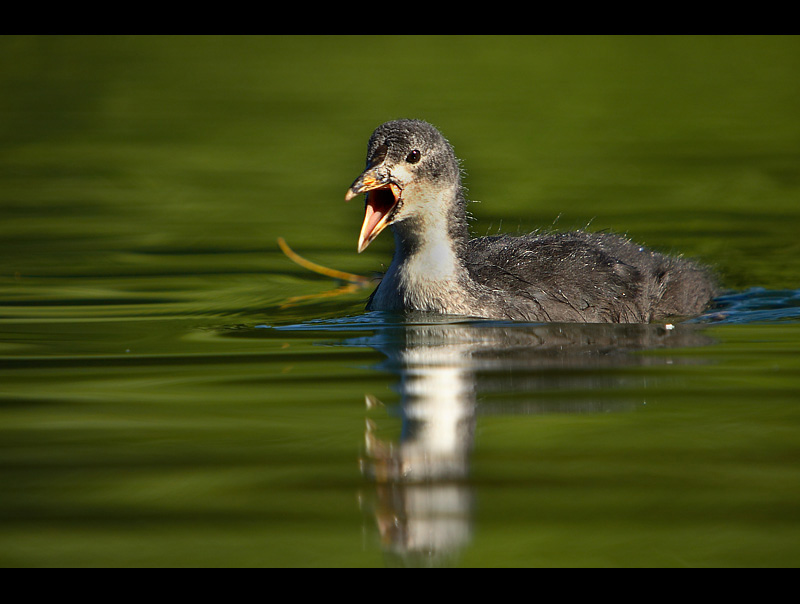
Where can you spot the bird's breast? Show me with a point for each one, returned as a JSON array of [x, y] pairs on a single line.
[[431, 279]]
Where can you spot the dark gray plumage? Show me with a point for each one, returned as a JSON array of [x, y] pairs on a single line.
[[413, 184]]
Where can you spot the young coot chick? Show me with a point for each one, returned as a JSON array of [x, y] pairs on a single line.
[[412, 183]]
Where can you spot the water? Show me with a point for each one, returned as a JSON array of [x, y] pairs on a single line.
[[174, 391]]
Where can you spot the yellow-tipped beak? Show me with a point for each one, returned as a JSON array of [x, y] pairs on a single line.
[[382, 198]]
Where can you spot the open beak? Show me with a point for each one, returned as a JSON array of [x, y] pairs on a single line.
[[382, 197]]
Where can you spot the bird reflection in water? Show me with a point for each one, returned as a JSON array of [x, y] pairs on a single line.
[[423, 498]]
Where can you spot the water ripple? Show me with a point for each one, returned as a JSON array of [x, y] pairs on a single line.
[[755, 305]]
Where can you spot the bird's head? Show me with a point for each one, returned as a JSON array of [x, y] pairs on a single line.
[[411, 172]]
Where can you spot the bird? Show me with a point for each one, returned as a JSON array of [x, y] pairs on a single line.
[[412, 183]]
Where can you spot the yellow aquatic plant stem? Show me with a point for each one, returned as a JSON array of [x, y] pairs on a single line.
[[317, 268]]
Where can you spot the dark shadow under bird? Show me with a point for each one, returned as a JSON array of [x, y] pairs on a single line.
[[412, 183]]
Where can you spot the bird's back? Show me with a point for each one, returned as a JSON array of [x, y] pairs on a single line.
[[586, 277]]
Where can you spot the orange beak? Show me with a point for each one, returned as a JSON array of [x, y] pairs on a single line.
[[382, 199]]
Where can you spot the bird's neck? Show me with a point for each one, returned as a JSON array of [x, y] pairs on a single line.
[[440, 221], [437, 233], [427, 269]]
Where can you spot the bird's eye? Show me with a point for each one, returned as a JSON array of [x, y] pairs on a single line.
[[413, 157]]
